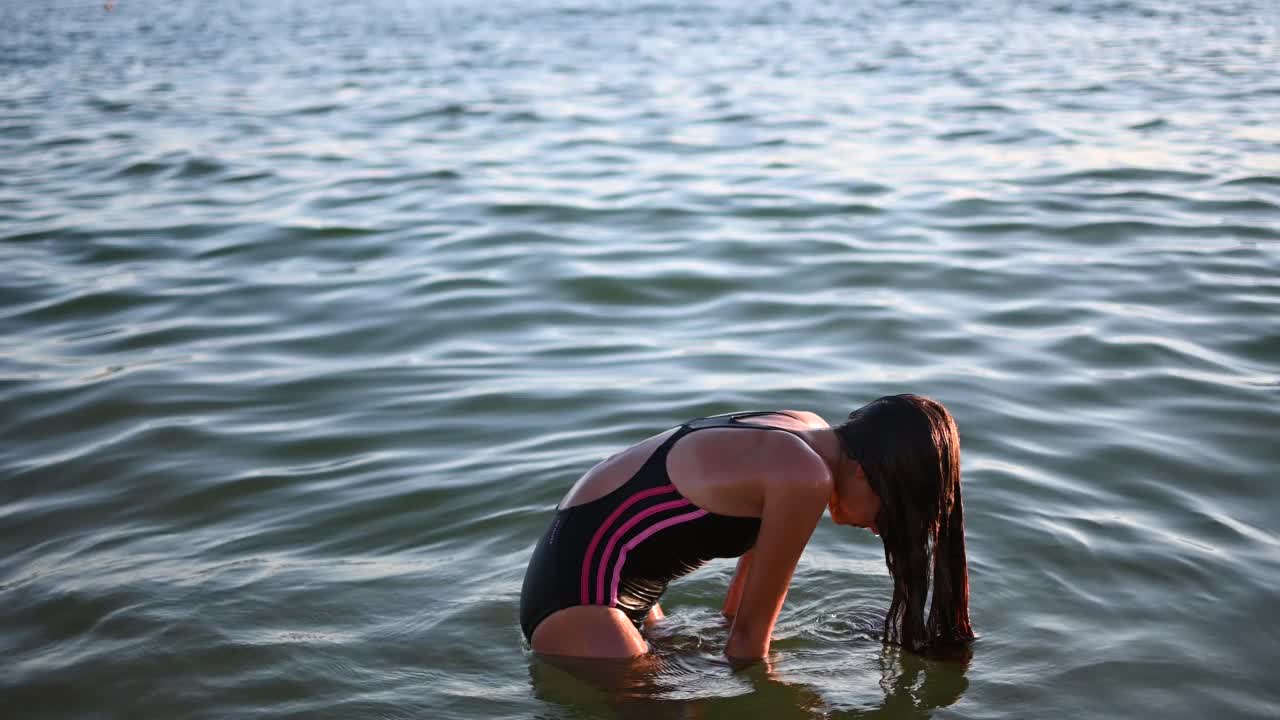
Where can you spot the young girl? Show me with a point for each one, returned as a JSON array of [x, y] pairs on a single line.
[[753, 485]]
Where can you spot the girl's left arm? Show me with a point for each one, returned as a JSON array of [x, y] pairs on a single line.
[[794, 499], [734, 596]]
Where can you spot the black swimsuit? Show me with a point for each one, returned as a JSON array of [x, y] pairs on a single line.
[[621, 550]]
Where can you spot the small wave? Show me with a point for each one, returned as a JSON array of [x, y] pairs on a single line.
[[1115, 230], [865, 187], [1233, 206], [142, 169], [251, 176], [1152, 124], [75, 305], [1260, 181], [64, 141], [786, 209], [18, 131], [1115, 175], [317, 231], [321, 109], [448, 110], [963, 134], [523, 116], [109, 106], [995, 108], [198, 167]]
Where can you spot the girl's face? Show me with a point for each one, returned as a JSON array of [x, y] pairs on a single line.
[[854, 503]]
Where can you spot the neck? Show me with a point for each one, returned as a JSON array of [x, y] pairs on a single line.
[[827, 445]]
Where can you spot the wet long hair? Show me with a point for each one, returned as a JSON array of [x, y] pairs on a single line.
[[909, 448]]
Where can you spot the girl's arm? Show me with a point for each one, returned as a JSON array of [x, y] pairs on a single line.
[[734, 595], [796, 491]]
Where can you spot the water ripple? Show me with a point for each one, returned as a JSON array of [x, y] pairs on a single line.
[[308, 318]]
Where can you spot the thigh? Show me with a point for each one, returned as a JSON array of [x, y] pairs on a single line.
[[588, 631]]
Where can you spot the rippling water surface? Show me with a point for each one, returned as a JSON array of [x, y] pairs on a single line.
[[309, 313]]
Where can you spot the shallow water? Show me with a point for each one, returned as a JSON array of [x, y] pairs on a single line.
[[310, 312]]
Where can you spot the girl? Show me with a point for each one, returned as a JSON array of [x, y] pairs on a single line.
[[753, 485]]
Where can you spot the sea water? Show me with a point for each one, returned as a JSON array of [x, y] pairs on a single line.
[[311, 311]]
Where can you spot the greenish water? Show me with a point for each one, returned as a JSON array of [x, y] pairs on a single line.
[[310, 312]]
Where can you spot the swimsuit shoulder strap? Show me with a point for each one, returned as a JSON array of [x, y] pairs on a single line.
[[734, 420]]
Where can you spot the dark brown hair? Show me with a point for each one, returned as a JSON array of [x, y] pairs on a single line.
[[909, 448]]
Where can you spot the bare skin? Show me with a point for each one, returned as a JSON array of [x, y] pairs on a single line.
[[787, 480]]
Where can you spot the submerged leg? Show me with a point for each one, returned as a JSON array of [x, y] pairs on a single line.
[[655, 614], [588, 631]]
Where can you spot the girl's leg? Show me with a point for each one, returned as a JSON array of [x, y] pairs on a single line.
[[588, 631], [655, 614]]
